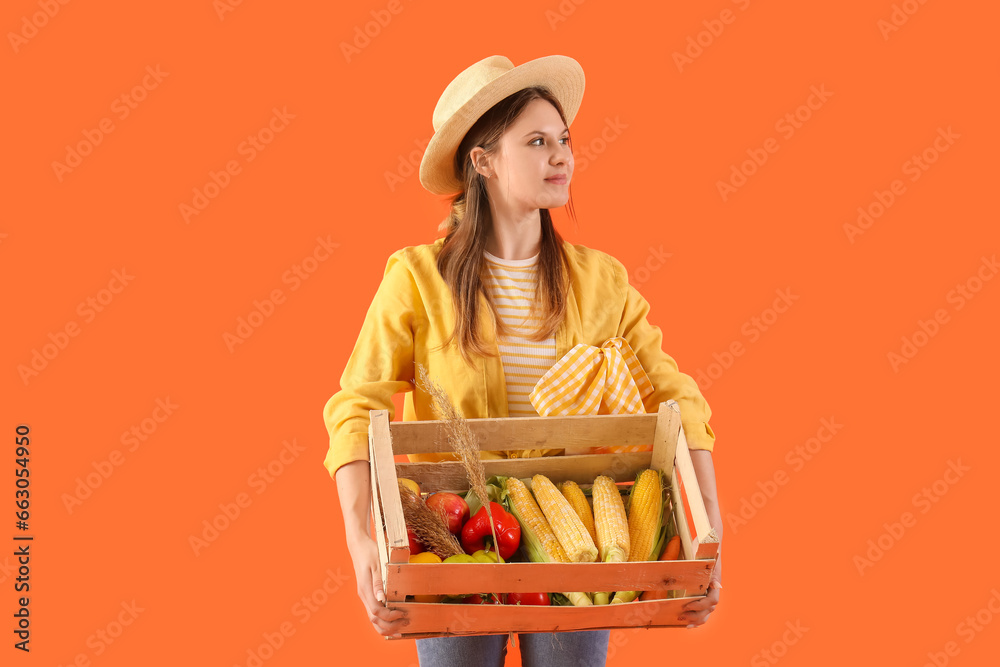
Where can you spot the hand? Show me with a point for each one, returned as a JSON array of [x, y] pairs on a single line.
[[387, 622], [697, 612]]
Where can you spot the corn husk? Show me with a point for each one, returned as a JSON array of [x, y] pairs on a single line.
[[533, 549], [657, 547]]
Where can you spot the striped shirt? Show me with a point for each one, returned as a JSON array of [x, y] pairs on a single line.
[[510, 284]]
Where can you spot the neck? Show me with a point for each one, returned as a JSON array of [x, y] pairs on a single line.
[[517, 237]]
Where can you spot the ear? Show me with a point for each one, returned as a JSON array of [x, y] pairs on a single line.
[[481, 161]]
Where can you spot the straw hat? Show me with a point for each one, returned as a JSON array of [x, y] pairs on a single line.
[[473, 92]]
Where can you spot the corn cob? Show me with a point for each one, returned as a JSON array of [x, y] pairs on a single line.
[[569, 529], [530, 515], [578, 501], [539, 541], [645, 521], [612, 526]]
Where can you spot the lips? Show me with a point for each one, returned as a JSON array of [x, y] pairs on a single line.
[[561, 178]]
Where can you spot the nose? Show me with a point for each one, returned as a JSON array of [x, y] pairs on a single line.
[[561, 155]]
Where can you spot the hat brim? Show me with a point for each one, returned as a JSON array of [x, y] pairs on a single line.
[[562, 75]]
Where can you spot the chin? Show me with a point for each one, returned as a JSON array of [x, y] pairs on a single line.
[[552, 201]]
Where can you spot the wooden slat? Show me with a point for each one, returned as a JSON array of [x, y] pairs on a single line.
[[680, 516], [434, 620], [465, 578], [582, 469], [398, 544], [379, 519], [509, 433], [703, 537], [402, 578], [668, 427]]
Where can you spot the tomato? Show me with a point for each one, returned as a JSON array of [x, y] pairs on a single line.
[[452, 507], [415, 546], [528, 598]]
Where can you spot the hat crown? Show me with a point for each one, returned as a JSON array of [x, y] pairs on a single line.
[[475, 91], [465, 86]]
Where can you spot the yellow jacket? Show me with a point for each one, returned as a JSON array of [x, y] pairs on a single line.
[[412, 314]]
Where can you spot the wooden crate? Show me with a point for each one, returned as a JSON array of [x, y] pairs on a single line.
[[699, 544]]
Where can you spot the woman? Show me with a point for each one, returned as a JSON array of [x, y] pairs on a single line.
[[488, 309]]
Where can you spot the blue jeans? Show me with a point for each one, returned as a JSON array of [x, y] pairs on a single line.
[[587, 648]]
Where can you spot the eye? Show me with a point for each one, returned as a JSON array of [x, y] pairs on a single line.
[[564, 140]]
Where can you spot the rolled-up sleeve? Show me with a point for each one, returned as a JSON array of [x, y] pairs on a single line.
[[380, 366], [646, 341]]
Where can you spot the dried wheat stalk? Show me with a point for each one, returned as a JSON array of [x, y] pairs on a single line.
[[461, 439], [430, 527]]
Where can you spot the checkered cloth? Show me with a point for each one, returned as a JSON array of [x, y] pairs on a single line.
[[591, 380]]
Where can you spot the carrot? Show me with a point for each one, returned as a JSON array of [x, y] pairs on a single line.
[[672, 552]]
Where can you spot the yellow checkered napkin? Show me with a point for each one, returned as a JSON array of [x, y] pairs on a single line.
[[591, 380]]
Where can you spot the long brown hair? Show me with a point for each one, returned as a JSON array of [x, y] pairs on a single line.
[[461, 261]]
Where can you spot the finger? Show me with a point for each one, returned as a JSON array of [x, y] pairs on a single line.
[[697, 616], [374, 600], [698, 605], [385, 626], [388, 615], [697, 609], [378, 613], [694, 620], [377, 585], [382, 618], [386, 621], [704, 602]]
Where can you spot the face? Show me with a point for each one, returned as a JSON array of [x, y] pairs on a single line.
[[533, 165]]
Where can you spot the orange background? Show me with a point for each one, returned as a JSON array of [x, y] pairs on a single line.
[[654, 187]]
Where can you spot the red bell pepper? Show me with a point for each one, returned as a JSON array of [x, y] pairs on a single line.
[[477, 530], [527, 598]]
